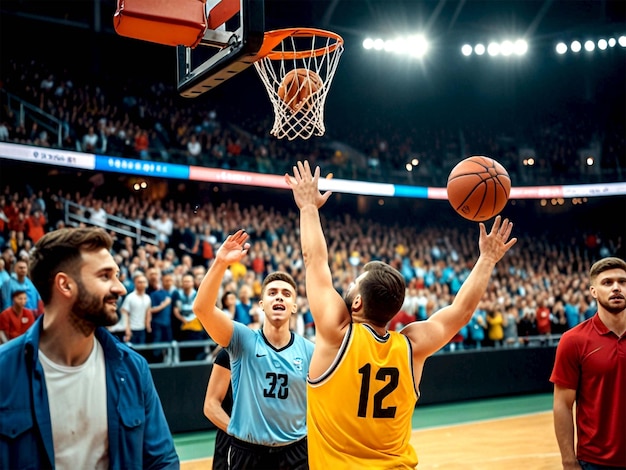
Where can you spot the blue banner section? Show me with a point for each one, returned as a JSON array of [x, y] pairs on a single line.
[[140, 167], [417, 192]]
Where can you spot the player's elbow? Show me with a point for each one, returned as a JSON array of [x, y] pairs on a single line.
[[209, 409]]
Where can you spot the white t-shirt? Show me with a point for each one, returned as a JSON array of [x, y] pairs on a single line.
[[78, 411], [137, 307]]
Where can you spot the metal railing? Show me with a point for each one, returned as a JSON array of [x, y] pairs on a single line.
[[171, 352], [168, 354], [75, 215], [22, 109]]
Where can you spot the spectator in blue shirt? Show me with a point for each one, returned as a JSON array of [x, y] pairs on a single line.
[[78, 398], [244, 305], [572, 309], [19, 280]]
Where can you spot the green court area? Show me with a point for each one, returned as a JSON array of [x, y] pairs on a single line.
[[199, 445]]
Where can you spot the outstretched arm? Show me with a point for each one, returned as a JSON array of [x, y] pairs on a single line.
[[431, 335], [218, 324], [327, 307]]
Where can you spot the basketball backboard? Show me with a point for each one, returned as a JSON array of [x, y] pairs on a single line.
[[214, 39], [233, 36]]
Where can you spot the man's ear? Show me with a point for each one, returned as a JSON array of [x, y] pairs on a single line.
[[64, 284], [357, 303]]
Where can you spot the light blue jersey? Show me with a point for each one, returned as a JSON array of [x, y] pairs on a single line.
[[269, 388]]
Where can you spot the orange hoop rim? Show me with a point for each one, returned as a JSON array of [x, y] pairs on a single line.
[[273, 38]]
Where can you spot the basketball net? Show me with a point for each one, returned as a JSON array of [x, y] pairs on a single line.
[[298, 48]]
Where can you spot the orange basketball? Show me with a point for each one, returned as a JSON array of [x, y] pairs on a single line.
[[478, 188], [297, 87]]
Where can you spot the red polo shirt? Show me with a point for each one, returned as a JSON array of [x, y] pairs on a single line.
[[15, 325], [592, 360]]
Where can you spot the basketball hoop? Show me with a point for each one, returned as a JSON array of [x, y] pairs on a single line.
[[285, 50]]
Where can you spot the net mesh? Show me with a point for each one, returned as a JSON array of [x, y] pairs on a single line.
[[314, 51]]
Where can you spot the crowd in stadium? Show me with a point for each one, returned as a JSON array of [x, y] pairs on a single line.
[[538, 291], [139, 118]]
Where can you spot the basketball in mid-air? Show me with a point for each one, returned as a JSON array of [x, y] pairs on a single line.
[[478, 188], [296, 88]]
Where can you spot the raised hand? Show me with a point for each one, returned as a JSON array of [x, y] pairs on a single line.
[[234, 248], [496, 243], [304, 185]]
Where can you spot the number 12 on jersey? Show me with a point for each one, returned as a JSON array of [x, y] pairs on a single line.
[[389, 375]]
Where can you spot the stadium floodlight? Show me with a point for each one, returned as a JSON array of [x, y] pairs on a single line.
[[418, 46], [561, 48], [506, 48], [575, 46], [602, 44], [520, 47], [622, 41], [466, 50], [493, 49], [612, 42], [479, 49], [415, 46], [589, 46]]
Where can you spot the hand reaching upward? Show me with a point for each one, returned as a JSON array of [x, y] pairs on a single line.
[[496, 243], [304, 185], [234, 248]]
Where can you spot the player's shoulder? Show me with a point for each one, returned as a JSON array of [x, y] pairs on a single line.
[[582, 328]]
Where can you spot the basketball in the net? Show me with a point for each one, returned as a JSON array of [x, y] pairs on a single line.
[[297, 86], [478, 188]]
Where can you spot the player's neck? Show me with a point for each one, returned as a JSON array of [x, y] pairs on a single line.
[[616, 322], [380, 330]]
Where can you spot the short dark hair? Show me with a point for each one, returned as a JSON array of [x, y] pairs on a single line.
[[225, 295], [17, 292], [60, 250], [382, 291], [279, 276], [604, 265]]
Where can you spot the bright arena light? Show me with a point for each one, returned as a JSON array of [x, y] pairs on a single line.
[[415, 46], [521, 47], [506, 48], [493, 49], [418, 46]]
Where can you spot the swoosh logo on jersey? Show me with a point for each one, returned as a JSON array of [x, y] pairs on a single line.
[[260, 355]]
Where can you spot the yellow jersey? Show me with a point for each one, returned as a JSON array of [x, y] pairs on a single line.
[[359, 412]]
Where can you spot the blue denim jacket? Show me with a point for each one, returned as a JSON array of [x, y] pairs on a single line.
[[139, 436]]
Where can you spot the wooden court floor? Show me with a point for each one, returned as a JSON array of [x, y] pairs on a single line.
[[516, 443]]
